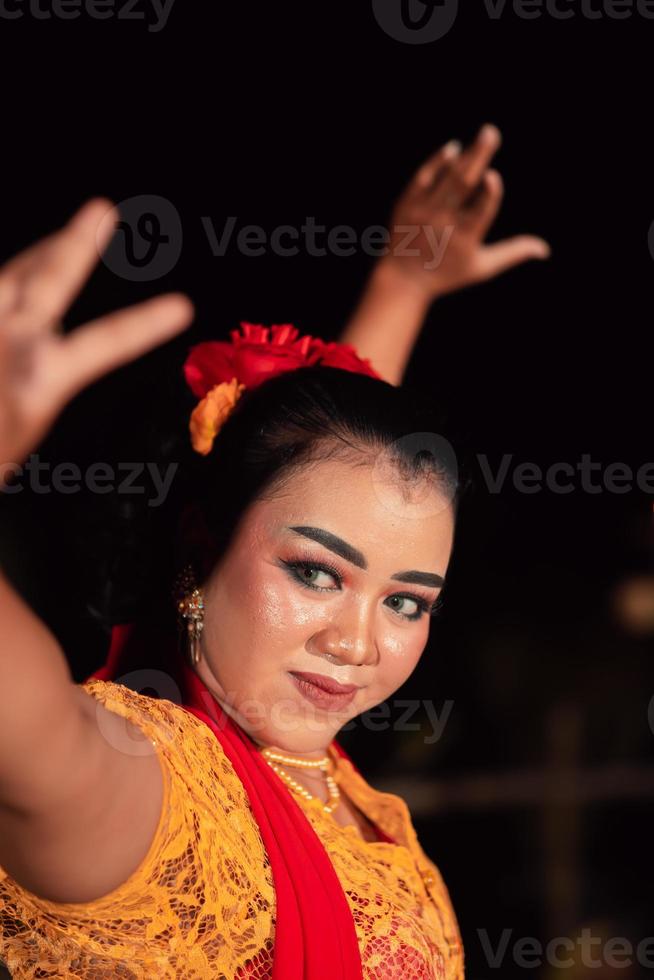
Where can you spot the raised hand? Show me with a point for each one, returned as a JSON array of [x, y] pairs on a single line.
[[441, 220], [41, 369]]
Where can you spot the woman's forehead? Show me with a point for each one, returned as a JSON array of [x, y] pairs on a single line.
[[377, 519]]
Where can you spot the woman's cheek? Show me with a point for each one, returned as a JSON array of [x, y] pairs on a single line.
[[271, 606], [283, 609], [397, 648], [400, 655]]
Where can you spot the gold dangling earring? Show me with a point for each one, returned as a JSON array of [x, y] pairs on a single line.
[[189, 602]]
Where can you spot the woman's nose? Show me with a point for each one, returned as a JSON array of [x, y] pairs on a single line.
[[350, 637]]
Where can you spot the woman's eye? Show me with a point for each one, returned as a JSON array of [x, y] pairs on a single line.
[[312, 575], [399, 604], [309, 575]]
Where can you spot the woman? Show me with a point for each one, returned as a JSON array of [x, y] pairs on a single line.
[[219, 830]]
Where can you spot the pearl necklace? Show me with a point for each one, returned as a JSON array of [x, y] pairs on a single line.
[[274, 758]]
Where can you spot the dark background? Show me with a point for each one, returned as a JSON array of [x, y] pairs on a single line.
[[538, 804]]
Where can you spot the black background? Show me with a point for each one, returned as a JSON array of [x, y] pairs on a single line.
[[275, 112]]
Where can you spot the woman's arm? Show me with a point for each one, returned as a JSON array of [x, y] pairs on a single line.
[[436, 246], [78, 808], [78, 805]]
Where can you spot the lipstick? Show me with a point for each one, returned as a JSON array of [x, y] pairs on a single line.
[[323, 691]]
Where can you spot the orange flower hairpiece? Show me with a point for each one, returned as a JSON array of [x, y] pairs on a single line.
[[218, 372], [209, 414]]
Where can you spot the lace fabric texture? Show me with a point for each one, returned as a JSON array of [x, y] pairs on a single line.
[[202, 902]]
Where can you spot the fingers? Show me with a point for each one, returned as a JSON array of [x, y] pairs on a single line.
[[497, 258], [41, 282], [100, 346], [475, 159], [14, 271], [430, 170], [461, 175], [485, 203]]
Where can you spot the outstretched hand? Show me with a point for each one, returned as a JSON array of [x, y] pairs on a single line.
[[41, 369], [441, 220]]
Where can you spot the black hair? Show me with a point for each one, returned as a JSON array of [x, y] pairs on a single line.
[[290, 421]]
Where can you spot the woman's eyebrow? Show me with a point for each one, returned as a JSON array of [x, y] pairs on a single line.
[[356, 557]]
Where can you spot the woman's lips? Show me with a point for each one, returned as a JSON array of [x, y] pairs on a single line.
[[326, 683], [318, 695]]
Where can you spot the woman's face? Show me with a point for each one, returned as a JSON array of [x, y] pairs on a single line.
[[281, 601]]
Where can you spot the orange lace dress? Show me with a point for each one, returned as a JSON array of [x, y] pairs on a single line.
[[202, 903]]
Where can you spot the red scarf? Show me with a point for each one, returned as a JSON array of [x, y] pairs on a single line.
[[315, 937]]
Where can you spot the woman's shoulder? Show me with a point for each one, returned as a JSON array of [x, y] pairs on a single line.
[[189, 749], [204, 795], [153, 715], [181, 895], [200, 786]]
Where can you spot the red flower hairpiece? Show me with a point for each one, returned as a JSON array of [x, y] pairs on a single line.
[[218, 372]]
